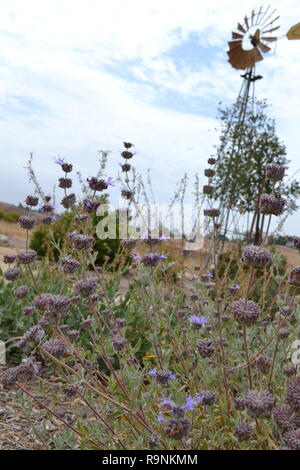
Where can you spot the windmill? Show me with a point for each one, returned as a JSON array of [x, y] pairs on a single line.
[[251, 41]]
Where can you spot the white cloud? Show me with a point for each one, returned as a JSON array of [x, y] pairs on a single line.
[[55, 54]]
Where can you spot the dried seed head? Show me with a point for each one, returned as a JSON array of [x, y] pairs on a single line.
[[271, 204], [245, 312], [127, 155], [263, 363], [69, 265], [259, 404], [87, 286], [285, 418], [68, 201], [119, 342], [209, 398], [211, 161], [27, 257], [209, 173], [27, 222], [82, 242], [12, 274], [178, 426], [208, 189], [153, 441], [255, 256], [32, 337], [239, 403], [293, 393], [289, 370], [31, 201], [55, 347], [65, 183], [211, 212], [243, 431], [206, 347], [21, 292], [129, 243], [292, 439], [275, 172], [9, 258]]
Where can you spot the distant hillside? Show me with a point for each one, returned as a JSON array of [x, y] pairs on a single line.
[[5, 207]]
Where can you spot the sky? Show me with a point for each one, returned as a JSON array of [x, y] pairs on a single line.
[[78, 77]]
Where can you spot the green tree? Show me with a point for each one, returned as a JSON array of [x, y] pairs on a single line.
[[246, 146]]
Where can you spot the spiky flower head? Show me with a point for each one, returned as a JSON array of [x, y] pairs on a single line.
[[263, 364], [56, 347], [65, 183], [292, 439], [206, 347], [289, 370], [245, 312], [119, 342], [211, 212], [162, 376], [271, 204], [208, 398], [28, 310], [69, 264], [53, 303], [209, 173], [275, 172], [27, 257], [9, 258], [31, 201], [126, 167], [208, 189], [73, 334], [68, 201], [87, 286], [239, 403], [127, 154], [294, 276], [211, 161], [27, 222], [178, 426], [293, 393], [253, 255], [126, 194], [153, 441], [28, 369], [33, 336], [259, 404], [243, 431], [82, 242], [91, 206], [12, 274], [129, 243], [21, 292], [285, 418]]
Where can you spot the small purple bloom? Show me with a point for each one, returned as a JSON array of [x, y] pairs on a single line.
[[110, 181], [60, 161], [191, 402], [198, 320]]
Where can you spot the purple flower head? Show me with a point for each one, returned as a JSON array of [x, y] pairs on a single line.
[[161, 376], [110, 181], [60, 161], [191, 402], [160, 418], [71, 235], [198, 320], [167, 402]]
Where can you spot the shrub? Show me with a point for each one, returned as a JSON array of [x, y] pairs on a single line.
[[11, 217]]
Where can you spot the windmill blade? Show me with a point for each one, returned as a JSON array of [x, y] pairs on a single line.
[[234, 44], [240, 28], [294, 32], [267, 19], [273, 29], [264, 14], [258, 15], [263, 47], [246, 22], [269, 39], [241, 59], [252, 17], [236, 35]]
